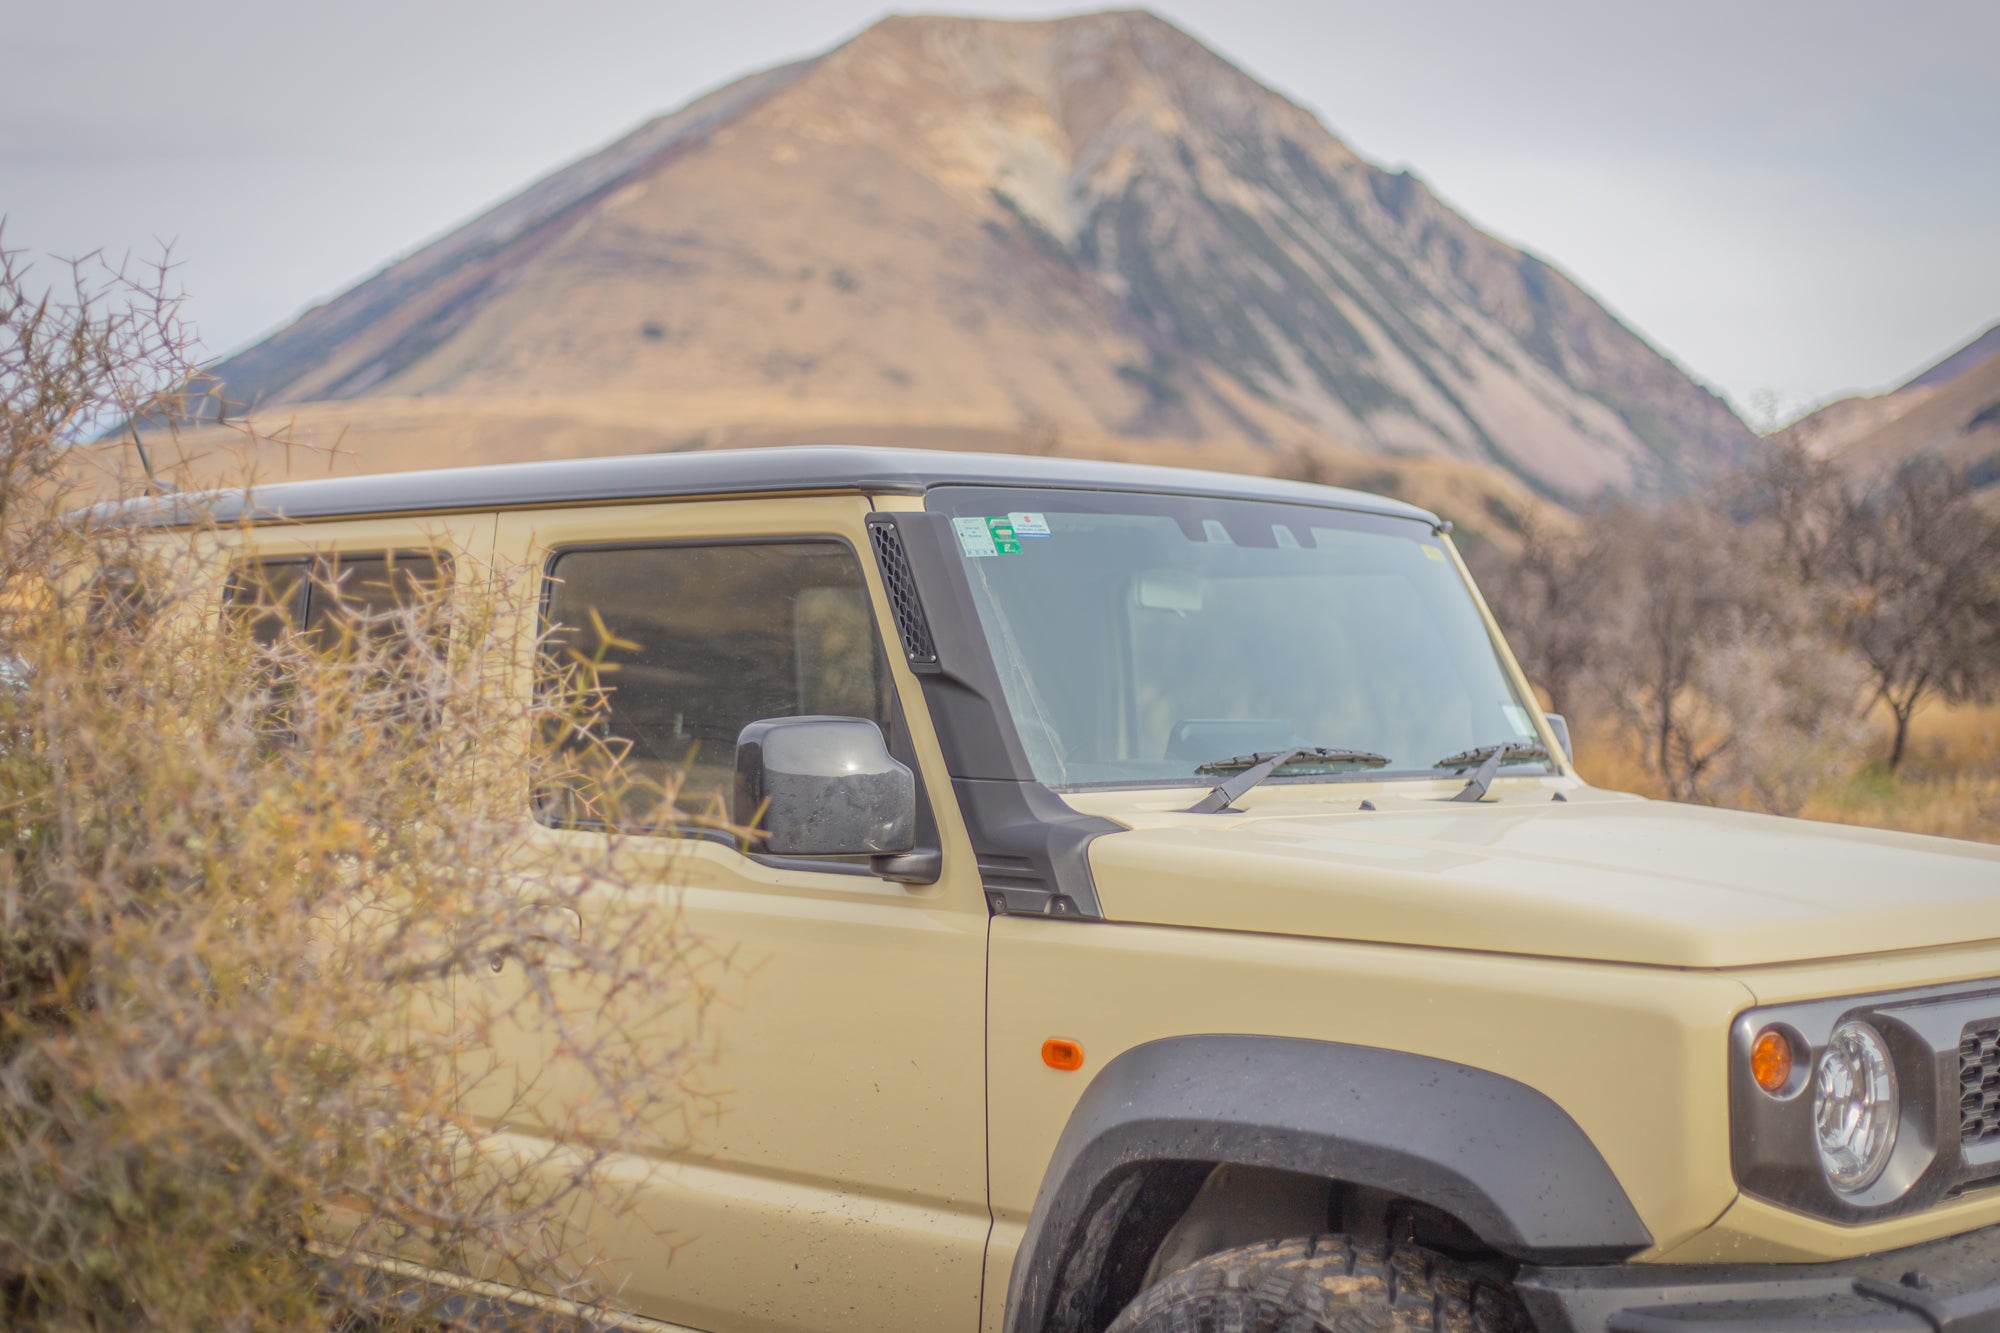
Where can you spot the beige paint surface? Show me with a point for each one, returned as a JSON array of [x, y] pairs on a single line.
[[879, 1044], [851, 1140]]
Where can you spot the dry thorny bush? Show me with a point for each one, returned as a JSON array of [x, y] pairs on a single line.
[[249, 883]]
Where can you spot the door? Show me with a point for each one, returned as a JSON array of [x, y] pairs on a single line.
[[838, 1180]]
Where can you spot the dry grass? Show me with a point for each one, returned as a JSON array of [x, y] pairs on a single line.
[[1949, 785]]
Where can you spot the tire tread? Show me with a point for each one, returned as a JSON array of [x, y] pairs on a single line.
[[1324, 1284]]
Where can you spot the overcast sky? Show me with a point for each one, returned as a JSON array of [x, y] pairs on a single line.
[[1792, 198]]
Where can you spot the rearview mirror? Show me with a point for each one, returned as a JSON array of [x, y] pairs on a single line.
[[1168, 590], [823, 786]]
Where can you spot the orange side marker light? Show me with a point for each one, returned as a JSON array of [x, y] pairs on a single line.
[[1058, 1053], [1771, 1060]]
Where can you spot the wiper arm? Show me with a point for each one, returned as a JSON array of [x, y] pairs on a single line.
[[1485, 761], [1256, 767]]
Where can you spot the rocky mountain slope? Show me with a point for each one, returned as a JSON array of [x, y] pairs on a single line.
[[1950, 411], [1091, 229]]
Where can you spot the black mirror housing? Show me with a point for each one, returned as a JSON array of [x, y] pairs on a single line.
[[823, 786]]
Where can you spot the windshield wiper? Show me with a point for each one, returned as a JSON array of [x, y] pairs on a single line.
[[1256, 767], [1485, 761]]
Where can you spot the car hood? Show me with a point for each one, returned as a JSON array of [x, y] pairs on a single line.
[[1592, 875]]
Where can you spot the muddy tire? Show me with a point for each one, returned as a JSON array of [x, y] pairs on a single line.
[[1324, 1284]]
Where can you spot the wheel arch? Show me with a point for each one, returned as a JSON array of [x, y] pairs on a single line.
[[1491, 1152]]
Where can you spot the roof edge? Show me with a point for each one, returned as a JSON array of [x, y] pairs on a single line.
[[636, 478]]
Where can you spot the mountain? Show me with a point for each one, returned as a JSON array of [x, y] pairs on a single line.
[[1980, 350], [1091, 230], [1950, 411]]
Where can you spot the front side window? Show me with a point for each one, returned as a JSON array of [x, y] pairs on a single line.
[[1141, 637], [697, 642]]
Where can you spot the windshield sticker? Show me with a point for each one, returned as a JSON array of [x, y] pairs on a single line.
[[1517, 716], [1002, 533], [980, 537], [1030, 525], [974, 540], [1434, 553]]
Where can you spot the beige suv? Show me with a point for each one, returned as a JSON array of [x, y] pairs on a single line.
[[1175, 914]]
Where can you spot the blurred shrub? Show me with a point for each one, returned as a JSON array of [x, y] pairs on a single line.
[[240, 873]]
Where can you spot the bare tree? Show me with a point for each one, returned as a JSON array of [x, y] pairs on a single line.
[[1802, 497], [1549, 597], [1674, 592], [1917, 570]]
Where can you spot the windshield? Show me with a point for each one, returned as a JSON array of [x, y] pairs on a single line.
[[1140, 638]]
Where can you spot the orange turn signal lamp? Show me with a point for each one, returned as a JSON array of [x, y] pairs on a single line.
[[1771, 1058], [1061, 1053]]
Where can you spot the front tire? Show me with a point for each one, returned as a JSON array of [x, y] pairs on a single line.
[[1324, 1284]]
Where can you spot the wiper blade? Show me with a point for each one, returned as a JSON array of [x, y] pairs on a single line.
[[1252, 769], [1485, 761]]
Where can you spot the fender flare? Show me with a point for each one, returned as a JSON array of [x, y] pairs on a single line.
[[1494, 1153]]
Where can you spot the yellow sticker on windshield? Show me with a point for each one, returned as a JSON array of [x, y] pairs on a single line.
[[1434, 553]]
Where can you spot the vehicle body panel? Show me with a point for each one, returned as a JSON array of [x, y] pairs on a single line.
[[849, 1142], [885, 1105], [1625, 1034], [1595, 875]]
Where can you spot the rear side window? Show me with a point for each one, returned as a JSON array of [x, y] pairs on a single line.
[[706, 639], [339, 604], [268, 597], [333, 598]]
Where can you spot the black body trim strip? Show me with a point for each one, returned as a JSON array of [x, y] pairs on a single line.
[[1951, 1284], [1030, 845], [1496, 1154]]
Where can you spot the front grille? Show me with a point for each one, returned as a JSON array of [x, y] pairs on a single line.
[[911, 627], [1979, 1084]]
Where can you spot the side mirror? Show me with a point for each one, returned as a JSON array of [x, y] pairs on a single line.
[[1560, 726], [823, 786]]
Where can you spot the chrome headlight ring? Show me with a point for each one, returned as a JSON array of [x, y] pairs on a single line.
[[1856, 1104]]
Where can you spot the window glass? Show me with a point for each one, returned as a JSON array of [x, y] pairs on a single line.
[[713, 638], [338, 601], [269, 597], [118, 600], [1145, 638], [332, 596], [362, 595]]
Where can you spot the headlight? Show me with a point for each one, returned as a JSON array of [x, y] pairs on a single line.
[[1855, 1106]]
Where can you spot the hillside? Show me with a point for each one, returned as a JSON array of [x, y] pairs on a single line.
[[1092, 228], [1950, 411]]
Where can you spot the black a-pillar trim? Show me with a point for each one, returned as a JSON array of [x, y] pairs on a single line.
[[1030, 845]]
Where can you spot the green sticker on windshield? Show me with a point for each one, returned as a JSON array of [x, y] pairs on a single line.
[[1004, 540], [981, 537]]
